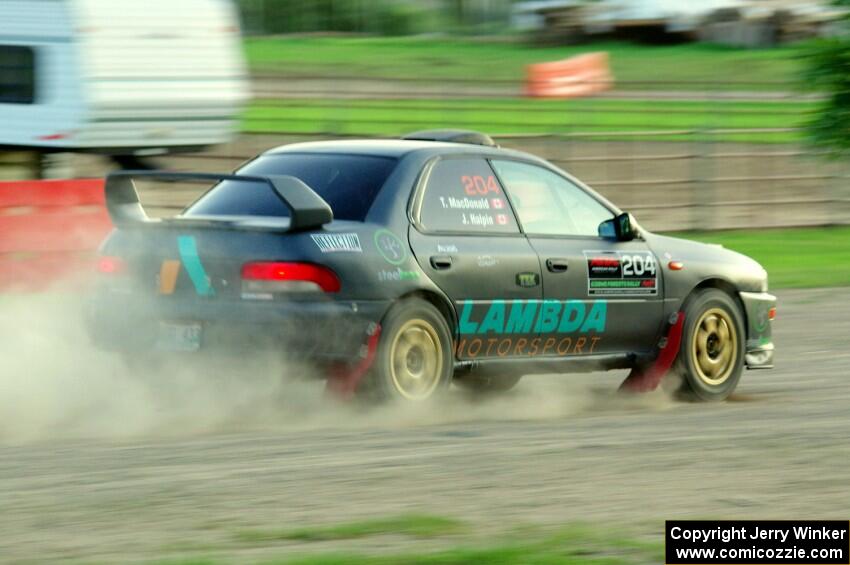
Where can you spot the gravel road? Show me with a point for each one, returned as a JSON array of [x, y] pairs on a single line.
[[97, 466]]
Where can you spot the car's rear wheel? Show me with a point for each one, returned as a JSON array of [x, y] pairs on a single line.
[[414, 361], [711, 355]]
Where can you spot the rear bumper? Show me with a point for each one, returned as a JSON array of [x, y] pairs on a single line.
[[313, 330], [759, 350]]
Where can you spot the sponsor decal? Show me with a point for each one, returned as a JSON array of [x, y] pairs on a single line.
[[533, 316], [485, 261], [527, 280], [391, 247], [169, 270], [337, 242], [447, 248], [621, 273], [397, 274], [471, 348], [761, 318], [508, 328], [188, 249]]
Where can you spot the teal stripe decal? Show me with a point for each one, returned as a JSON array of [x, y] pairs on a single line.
[[192, 262]]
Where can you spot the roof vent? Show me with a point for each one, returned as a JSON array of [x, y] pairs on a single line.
[[452, 136]]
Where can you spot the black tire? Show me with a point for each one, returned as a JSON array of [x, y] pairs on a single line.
[[711, 355], [414, 361], [484, 383]]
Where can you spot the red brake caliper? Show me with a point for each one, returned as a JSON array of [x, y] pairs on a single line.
[[343, 379], [649, 378]]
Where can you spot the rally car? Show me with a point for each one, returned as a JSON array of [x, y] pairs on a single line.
[[402, 266]]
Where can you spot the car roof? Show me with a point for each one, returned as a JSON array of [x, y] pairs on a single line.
[[394, 148], [427, 149]]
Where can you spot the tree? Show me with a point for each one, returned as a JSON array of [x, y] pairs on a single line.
[[828, 71]]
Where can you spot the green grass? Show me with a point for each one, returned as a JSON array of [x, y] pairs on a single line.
[[433, 58], [794, 258], [413, 525], [604, 118], [572, 546]]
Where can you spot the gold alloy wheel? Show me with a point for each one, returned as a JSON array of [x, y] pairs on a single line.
[[714, 347], [416, 360]]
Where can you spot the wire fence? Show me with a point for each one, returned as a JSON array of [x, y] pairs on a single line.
[[681, 156]]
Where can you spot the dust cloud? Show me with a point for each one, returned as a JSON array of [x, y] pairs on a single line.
[[55, 385]]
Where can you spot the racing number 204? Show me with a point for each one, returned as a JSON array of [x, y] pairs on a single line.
[[638, 265], [476, 185]]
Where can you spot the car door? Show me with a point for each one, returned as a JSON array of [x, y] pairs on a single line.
[[600, 295], [467, 240]]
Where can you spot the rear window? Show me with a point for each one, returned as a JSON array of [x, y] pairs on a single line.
[[349, 183]]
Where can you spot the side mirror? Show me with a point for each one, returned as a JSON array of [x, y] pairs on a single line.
[[621, 228]]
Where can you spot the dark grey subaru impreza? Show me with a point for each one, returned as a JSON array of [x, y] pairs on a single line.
[[401, 266]]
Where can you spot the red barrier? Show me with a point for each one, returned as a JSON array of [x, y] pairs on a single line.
[[582, 75], [49, 231]]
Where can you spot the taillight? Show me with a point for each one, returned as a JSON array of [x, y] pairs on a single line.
[[111, 265], [269, 277]]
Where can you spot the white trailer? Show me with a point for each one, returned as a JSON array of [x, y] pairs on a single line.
[[674, 16], [119, 77]]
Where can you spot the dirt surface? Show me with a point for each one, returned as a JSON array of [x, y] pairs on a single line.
[[98, 466]]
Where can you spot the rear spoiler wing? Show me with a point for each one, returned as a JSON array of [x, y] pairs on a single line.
[[308, 209]]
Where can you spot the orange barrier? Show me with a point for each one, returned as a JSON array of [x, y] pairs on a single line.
[[49, 231], [582, 75]]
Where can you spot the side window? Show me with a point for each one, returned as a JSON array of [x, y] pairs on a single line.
[[549, 204], [465, 195], [17, 74]]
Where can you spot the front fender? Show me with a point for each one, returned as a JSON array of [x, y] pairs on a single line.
[[760, 308], [701, 262]]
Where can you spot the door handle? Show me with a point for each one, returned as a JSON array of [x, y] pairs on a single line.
[[557, 265], [441, 262]]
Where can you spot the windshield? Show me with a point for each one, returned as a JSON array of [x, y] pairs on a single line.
[[348, 183]]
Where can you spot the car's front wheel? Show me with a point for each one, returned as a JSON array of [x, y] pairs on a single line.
[[711, 355], [414, 361]]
